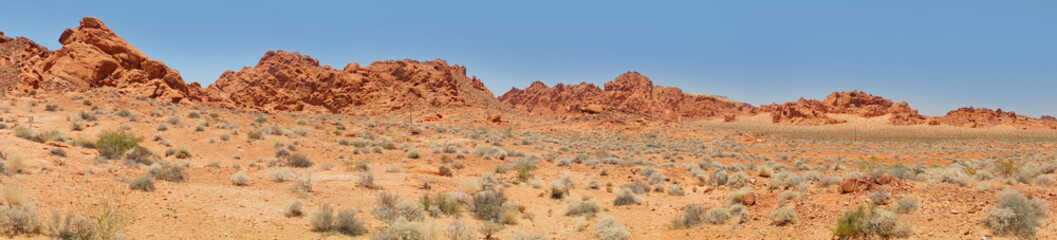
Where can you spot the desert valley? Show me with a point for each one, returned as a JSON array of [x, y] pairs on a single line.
[[99, 141]]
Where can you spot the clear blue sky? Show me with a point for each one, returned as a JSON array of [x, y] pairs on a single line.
[[936, 55]]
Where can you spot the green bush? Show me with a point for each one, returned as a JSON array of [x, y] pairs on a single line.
[[112, 144]]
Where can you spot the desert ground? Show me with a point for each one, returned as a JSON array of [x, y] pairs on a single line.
[[559, 178]]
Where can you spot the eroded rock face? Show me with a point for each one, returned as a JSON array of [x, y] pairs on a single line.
[[289, 81], [631, 92], [813, 112], [93, 56], [983, 117]]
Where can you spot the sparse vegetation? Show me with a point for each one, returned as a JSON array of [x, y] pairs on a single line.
[[1016, 215]]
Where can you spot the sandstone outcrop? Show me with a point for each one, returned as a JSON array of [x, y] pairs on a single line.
[[91, 56], [289, 81], [858, 103], [631, 92]]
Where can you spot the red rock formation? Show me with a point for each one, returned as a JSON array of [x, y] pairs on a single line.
[[813, 112], [631, 92], [983, 117], [286, 81], [92, 56]]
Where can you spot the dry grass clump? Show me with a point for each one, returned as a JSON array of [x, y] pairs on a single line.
[[578, 208]]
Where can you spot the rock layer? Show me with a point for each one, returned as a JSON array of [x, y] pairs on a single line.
[[631, 92], [289, 81], [983, 117]]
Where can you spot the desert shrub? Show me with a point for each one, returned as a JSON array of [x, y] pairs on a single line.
[[260, 119], [19, 219], [77, 125], [692, 216], [488, 205], [717, 215], [625, 196], [578, 208], [303, 183], [676, 191], [144, 183], [788, 195], [23, 132], [366, 180], [869, 223], [414, 154], [240, 179], [880, 196], [784, 180], [112, 144], [445, 171], [298, 160], [57, 151], [1015, 215], [739, 211], [608, 228], [324, 220], [181, 152], [489, 229], [69, 226], [294, 208], [829, 180], [560, 187], [51, 107], [738, 180], [402, 229], [737, 196], [718, 178], [277, 175], [459, 230], [906, 205], [783, 215], [529, 236], [167, 171]]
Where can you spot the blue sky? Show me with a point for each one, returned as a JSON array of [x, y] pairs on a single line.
[[936, 55]]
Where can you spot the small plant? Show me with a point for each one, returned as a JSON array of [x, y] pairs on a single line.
[[112, 144], [144, 183], [70, 227], [608, 228], [783, 215], [625, 196], [240, 179], [459, 230], [578, 208], [293, 209], [1007, 167], [298, 160], [58, 151], [19, 219], [167, 171], [444, 171], [345, 222], [51, 107], [864, 223], [906, 205], [1015, 215], [366, 180], [692, 216], [489, 205], [880, 196]]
